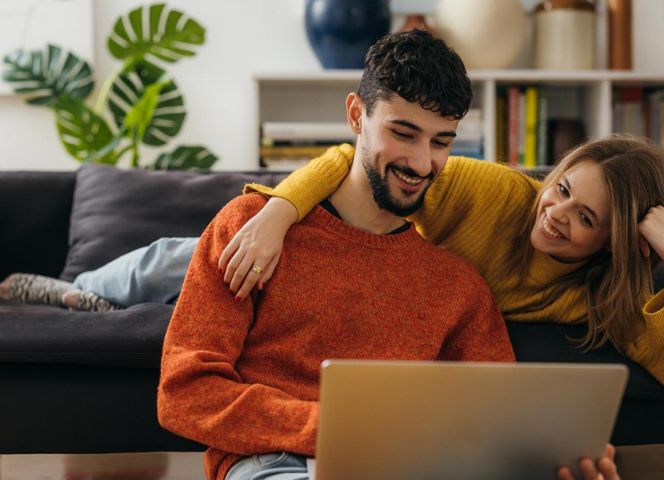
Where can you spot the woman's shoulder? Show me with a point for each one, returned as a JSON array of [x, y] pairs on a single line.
[[483, 173], [466, 179]]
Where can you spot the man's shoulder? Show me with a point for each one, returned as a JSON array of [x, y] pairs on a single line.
[[239, 210], [248, 205], [444, 264]]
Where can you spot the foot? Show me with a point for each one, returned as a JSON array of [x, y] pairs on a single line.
[[30, 288], [4, 288], [87, 302]]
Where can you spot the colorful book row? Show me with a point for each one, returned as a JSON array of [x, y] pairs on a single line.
[[522, 126]]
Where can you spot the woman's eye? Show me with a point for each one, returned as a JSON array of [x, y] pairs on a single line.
[[562, 190], [440, 144], [585, 220]]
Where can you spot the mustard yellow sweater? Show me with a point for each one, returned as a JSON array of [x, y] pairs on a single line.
[[476, 209]]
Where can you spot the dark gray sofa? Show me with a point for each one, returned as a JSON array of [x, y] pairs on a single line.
[[86, 382]]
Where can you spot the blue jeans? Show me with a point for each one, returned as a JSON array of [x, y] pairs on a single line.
[[270, 466], [149, 274]]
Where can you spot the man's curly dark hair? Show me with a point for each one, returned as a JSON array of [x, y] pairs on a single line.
[[419, 68]]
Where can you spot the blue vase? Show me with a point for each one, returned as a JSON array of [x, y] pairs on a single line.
[[341, 31]]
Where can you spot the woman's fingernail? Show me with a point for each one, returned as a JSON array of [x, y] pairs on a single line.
[[238, 298]]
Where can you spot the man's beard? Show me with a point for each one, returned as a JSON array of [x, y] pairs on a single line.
[[381, 190]]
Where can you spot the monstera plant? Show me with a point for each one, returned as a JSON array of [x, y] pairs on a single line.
[[138, 104]]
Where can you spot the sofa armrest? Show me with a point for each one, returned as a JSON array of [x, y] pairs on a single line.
[[34, 220]]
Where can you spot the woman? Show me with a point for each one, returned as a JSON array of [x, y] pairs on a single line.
[[576, 247]]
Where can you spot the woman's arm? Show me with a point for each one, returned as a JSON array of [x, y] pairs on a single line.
[[253, 253]]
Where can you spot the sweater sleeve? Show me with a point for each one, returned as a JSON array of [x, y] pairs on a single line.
[[481, 334], [469, 188], [648, 349], [201, 395], [306, 187]]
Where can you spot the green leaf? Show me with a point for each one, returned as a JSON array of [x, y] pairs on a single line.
[[185, 158], [83, 133], [140, 115], [129, 97], [45, 75], [157, 32]]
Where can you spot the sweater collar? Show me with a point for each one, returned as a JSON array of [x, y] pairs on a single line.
[[322, 217], [544, 268]]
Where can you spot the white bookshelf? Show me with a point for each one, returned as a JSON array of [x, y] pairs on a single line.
[[319, 95]]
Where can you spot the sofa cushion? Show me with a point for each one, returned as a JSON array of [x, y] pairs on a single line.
[[644, 396], [34, 218], [116, 211], [47, 334]]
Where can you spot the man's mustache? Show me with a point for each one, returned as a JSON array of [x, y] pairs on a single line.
[[410, 172]]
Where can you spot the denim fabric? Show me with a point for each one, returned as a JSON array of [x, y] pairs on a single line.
[[270, 466], [149, 274]]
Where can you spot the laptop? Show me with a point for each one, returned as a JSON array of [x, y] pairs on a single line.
[[385, 420]]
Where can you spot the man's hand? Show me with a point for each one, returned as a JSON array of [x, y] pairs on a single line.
[[604, 469]]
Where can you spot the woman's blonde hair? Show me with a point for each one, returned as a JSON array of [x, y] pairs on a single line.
[[618, 282]]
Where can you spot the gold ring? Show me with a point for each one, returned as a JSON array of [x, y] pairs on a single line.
[[256, 269]]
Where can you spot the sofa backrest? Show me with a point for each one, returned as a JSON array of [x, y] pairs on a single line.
[[116, 211], [57, 223], [34, 221]]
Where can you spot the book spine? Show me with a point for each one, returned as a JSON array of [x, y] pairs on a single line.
[[522, 127], [501, 151], [314, 131], [542, 129], [530, 149], [513, 126]]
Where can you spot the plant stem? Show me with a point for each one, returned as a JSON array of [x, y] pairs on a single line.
[[135, 156], [106, 87]]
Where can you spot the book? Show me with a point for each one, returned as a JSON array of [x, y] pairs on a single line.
[[522, 126], [294, 151], [530, 133], [542, 129], [284, 165], [470, 127], [629, 111], [501, 151], [311, 131], [513, 126], [654, 115]]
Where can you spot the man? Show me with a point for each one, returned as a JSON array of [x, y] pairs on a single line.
[[242, 377]]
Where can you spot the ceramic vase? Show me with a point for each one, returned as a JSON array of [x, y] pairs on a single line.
[[341, 31], [485, 33]]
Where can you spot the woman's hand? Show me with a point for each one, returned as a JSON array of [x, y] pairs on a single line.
[[253, 253], [652, 230], [604, 469]]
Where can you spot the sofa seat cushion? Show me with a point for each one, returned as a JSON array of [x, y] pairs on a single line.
[[46, 334], [640, 420], [547, 342]]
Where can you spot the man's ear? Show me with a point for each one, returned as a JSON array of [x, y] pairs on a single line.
[[354, 112]]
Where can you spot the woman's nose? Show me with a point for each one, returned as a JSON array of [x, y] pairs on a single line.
[[558, 212]]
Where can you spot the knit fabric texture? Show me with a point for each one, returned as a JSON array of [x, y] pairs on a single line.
[[243, 377], [476, 209]]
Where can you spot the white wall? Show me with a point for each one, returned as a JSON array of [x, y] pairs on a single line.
[[243, 37]]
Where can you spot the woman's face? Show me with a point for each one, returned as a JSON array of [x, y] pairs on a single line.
[[573, 216]]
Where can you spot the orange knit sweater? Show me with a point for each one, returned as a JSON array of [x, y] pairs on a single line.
[[243, 377]]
